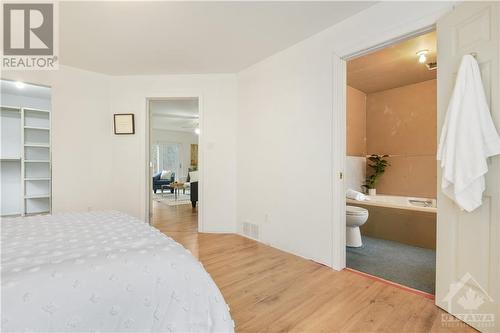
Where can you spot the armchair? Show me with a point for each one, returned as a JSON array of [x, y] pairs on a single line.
[[158, 182], [193, 183], [194, 193]]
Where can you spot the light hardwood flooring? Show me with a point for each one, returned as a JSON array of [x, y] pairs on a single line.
[[272, 291]]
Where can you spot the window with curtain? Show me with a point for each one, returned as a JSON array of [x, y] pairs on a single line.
[[167, 156]]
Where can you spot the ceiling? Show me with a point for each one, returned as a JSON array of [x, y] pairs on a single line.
[[172, 37], [180, 114], [28, 90], [393, 66]]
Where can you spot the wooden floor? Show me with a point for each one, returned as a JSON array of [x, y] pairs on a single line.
[[272, 291]]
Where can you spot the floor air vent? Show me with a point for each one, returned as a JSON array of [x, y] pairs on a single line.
[[251, 230]]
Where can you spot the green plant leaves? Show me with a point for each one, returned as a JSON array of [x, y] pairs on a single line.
[[378, 165]]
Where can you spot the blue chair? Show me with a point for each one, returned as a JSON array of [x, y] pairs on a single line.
[[194, 193], [158, 182]]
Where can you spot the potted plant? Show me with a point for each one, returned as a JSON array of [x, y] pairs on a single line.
[[378, 165]]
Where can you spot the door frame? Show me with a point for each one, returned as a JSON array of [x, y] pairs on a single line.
[[201, 164], [339, 112]]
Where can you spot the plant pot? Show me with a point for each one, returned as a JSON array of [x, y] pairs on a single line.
[[372, 191]]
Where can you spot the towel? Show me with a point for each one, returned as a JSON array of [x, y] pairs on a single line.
[[468, 138], [355, 195]]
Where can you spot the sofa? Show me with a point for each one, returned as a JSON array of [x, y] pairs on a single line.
[[192, 178], [193, 192], [158, 182]]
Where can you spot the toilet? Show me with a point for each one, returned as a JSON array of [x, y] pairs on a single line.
[[355, 217]]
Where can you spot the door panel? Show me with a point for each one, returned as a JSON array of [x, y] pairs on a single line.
[[468, 251]]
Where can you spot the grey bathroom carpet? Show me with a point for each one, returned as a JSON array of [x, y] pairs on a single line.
[[410, 266]]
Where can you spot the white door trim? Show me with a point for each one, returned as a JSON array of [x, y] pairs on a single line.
[[201, 164], [338, 162], [389, 42]]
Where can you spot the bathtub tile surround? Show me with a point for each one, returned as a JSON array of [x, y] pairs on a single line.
[[401, 122], [356, 122], [414, 227], [355, 172], [393, 201]]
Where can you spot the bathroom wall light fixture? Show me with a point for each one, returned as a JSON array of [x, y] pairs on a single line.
[[422, 56]]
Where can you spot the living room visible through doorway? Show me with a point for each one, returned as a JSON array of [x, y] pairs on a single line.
[[174, 135]]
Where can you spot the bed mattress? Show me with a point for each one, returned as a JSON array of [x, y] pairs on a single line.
[[103, 272]]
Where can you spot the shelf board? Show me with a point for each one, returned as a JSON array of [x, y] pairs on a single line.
[[36, 110], [37, 128], [10, 108], [43, 212], [36, 161], [38, 196], [12, 214], [10, 158], [37, 145], [37, 178]]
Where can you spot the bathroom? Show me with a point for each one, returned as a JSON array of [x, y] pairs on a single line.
[[391, 161]]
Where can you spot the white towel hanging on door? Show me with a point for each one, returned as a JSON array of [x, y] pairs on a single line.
[[468, 138]]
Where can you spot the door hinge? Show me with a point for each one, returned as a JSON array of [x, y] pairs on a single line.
[[341, 175]]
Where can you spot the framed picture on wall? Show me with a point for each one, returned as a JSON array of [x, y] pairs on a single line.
[[194, 155], [124, 123]]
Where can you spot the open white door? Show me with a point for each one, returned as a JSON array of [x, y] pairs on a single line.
[[468, 244]]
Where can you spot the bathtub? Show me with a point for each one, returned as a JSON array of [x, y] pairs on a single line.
[[408, 220], [399, 202]]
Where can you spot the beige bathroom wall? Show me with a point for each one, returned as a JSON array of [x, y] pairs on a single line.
[[356, 122], [401, 122]]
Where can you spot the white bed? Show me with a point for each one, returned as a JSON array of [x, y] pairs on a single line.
[[103, 272]]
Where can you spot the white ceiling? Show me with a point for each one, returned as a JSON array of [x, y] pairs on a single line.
[[122, 38], [180, 114], [29, 90]]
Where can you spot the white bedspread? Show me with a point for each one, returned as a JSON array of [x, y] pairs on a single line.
[[103, 272]]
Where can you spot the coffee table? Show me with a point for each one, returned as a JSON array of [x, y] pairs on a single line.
[[176, 187]]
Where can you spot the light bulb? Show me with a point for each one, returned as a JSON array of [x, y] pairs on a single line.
[[20, 85], [422, 56], [197, 131]]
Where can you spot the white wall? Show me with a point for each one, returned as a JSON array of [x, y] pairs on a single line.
[[284, 126], [217, 150], [81, 134], [94, 169], [186, 139], [285, 134]]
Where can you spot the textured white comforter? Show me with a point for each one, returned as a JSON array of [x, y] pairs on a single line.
[[103, 272]]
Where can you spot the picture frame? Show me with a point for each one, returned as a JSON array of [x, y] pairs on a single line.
[[194, 155], [124, 123]]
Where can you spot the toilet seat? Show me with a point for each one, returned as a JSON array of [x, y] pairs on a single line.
[[355, 210]]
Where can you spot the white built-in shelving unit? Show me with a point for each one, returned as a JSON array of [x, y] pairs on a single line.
[[26, 178]]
